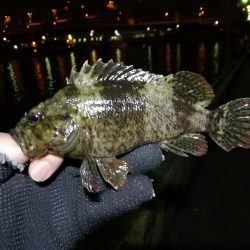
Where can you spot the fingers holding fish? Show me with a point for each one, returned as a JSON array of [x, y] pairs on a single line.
[[40, 169], [44, 167], [10, 147]]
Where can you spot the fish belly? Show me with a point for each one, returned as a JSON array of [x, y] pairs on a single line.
[[116, 136]]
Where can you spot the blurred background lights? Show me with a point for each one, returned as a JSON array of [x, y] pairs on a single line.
[[248, 12], [83, 19]]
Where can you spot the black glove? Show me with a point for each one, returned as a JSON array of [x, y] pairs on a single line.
[[59, 212]]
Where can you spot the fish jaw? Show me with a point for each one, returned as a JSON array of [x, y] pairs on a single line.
[[27, 148]]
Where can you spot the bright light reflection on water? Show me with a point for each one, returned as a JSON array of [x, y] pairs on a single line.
[[12, 77], [49, 75], [216, 54], [150, 63], [94, 56], [178, 57], [201, 58], [118, 55], [73, 60], [168, 58]]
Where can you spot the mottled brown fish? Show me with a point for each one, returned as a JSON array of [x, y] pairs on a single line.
[[109, 109]]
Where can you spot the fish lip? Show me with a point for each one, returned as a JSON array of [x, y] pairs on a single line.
[[18, 136]]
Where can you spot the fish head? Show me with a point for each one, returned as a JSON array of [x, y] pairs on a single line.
[[46, 128]]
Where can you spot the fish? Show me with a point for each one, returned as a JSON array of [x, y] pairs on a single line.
[[108, 109]]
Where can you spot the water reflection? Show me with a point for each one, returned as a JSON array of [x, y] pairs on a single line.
[[93, 56], [149, 57], [178, 57], [50, 80], [168, 58], [118, 55], [201, 58], [16, 81], [73, 60], [40, 78], [12, 77], [61, 67], [216, 57]]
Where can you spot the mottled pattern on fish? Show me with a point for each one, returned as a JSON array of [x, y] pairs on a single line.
[[109, 109]]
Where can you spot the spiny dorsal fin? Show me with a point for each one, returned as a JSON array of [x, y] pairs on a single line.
[[191, 87], [110, 72]]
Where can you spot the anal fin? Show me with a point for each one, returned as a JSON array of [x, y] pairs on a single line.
[[194, 144], [114, 171]]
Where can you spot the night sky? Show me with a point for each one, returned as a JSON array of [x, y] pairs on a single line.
[[133, 7], [75, 11]]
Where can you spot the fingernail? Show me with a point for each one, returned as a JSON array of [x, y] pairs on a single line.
[[39, 171]]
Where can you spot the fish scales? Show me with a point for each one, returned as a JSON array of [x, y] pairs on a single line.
[[113, 116], [108, 109]]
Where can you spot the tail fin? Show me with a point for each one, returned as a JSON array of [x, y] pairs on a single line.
[[230, 125]]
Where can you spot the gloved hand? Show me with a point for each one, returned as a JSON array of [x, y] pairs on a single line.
[[55, 214]]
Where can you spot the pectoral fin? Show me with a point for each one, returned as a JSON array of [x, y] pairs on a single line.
[[194, 144], [114, 171], [89, 175]]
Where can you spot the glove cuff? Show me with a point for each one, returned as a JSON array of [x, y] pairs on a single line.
[[6, 170]]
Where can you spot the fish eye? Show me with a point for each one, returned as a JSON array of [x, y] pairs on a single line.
[[34, 118]]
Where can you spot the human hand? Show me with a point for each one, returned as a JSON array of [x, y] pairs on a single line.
[[58, 212], [40, 169]]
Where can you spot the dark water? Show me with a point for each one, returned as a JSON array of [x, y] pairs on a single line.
[[26, 79]]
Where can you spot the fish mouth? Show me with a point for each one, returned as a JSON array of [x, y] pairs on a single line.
[[18, 136], [32, 152]]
